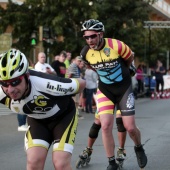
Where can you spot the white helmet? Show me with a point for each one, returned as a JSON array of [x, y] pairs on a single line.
[[93, 25]]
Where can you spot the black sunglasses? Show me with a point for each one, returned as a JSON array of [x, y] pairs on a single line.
[[90, 36], [14, 82]]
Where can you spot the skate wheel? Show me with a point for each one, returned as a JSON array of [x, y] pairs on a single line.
[[78, 163], [120, 164], [88, 160]]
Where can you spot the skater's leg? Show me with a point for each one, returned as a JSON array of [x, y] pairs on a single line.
[[120, 129], [128, 117], [93, 133], [121, 153]]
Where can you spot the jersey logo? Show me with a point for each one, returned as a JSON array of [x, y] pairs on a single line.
[[107, 51], [59, 88], [40, 101], [39, 105], [130, 101]]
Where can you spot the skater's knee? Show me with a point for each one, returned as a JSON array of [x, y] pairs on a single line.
[[94, 131], [131, 130], [120, 125]]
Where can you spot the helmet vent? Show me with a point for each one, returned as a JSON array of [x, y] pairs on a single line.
[[21, 67], [4, 61], [14, 62], [20, 57], [12, 72], [4, 73]]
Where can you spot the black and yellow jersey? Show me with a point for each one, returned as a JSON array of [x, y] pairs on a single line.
[[108, 61]]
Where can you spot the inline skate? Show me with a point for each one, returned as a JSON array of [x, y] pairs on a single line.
[[84, 158], [121, 155]]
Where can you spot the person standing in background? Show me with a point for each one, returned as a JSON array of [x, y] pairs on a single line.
[[22, 122], [74, 72], [139, 78], [159, 71], [59, 66], [91, 78], [42, 66], [67, 61], [82, 100]]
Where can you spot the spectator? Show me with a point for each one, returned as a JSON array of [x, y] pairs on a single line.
[[91, 78], [42, 66], [59, 66], [67, 61], [139, 78], [159, 72], [22, 125], [56, 57], [74, 72], [82, 100]]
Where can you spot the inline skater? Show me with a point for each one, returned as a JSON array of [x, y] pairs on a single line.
[[85, 156], [111, 59], [47, 101]]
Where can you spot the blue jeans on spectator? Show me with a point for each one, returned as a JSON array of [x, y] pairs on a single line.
[[21, 119], [89, 98]]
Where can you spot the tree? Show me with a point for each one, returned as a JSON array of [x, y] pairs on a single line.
[[122, 19]]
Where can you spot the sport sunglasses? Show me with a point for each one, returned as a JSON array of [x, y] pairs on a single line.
[[14, 82], [90, 36]]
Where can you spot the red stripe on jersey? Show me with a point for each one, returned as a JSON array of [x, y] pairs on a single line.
[[119, 47], [110, 43], [128, 55], [124, 51]]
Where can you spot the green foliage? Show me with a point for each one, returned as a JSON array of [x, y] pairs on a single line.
[[122, 19]]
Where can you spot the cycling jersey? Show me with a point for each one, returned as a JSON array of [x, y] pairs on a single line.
[[48, 95], [108, 61], [51, 111], [114, 76]]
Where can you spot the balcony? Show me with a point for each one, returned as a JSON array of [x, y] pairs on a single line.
[[161, 10]]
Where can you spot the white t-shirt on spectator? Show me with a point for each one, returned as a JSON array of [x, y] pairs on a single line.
[[42, 67], [91, 78]]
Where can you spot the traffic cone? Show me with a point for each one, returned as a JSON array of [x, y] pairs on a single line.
[[157, 95], [167, 94], [153, 95], [163, 96]]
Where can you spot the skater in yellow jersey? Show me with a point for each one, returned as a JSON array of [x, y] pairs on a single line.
[[111, 59]]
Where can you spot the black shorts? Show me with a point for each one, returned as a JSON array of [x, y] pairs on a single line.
[[120, 94], [57, 130]]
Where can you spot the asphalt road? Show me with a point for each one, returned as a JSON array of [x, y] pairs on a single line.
[[152, 117]]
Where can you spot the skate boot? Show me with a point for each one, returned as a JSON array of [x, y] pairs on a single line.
[[141, 156], [121, 155], [113, 167], [85, 157]]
